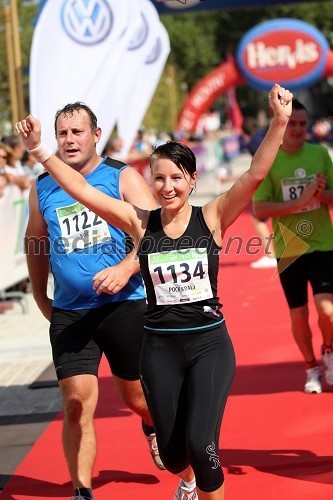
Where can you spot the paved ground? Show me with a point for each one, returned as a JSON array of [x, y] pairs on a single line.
[[24, 357], [29, 396]]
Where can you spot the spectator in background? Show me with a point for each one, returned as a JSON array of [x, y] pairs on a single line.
[[3, 161], [137, 157], [140, 149], [113, 148], [321, 130], [17, 147], [253, 138], [3, 183], [31, 168], [13, 169], [141, 144], [10, 174]]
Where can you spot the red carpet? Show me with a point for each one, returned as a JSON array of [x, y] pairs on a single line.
[[276, 441]]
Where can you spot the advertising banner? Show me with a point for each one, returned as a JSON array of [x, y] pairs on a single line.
[[89, 51], [13, 221], [136, 96], [288, 51], [183, 6], [75, 43]]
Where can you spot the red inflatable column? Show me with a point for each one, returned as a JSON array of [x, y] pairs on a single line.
[[206, 92]]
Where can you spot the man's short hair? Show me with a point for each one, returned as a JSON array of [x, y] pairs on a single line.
[[298, 106], [69, 109]]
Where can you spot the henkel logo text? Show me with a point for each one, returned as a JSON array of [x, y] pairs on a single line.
[[291, 52], [260, 55]]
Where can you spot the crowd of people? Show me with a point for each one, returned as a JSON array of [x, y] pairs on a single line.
[[17, 166]]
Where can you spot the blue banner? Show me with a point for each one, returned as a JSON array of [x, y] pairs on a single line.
[[181, 7]]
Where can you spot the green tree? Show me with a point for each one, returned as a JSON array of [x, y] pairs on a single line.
[[199, 43], [202, 41], [27, 10]]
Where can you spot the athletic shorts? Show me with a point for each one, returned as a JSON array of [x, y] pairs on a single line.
[[315, 268], [263, 219], [80, 337]]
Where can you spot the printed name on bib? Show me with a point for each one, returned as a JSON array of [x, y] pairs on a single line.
[[292, 188], [80, 227], [180, 276]]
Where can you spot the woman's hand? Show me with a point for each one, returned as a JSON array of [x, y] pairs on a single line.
[[280, 100]]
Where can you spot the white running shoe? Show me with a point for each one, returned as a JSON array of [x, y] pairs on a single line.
[[313, 381], [263, 263], [182, 493], [80, 497], [327, 358], [154, 451]]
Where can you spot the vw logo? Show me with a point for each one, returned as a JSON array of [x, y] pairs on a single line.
[[155, 52], [140, 34], [183, 4], [87, 21]]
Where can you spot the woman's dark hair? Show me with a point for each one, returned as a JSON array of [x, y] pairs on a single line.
[[178, 153], [69, 109]]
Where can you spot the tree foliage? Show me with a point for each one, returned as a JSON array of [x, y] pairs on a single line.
[[27, 10], [202, 41], [199, 43]]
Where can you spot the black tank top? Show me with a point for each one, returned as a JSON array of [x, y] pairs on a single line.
[[180, 276]]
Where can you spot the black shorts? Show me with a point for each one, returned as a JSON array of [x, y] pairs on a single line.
[[315, 268], [80, 337], [263, 219]]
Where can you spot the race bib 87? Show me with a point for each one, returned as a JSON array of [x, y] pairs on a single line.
[[293, 187]]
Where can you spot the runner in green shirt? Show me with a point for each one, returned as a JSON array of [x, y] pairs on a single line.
[[297, 193]]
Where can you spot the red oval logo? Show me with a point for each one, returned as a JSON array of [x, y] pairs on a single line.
[[286, 51]]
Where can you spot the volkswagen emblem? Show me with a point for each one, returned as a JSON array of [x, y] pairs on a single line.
[[87, 21], [140, 35], [155, 52]]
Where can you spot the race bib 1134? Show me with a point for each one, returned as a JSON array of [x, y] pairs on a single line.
[[180, 276]]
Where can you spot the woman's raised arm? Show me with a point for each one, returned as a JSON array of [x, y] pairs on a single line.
[[228, 206]]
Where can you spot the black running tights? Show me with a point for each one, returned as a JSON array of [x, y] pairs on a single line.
[[186, 379]]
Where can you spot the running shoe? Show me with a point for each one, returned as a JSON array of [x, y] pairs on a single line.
[[183, 493], [263, 263], [154, 451], [313, 381], [78, 496], [327, 358]]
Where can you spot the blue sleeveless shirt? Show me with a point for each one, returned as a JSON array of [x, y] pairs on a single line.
[[82, 244]]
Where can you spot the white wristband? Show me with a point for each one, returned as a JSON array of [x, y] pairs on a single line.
[[41, 153]]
